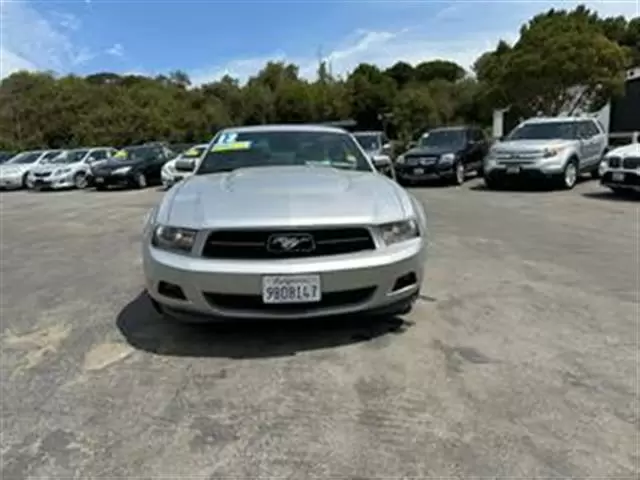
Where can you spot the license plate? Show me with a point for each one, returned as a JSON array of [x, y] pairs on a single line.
[[418, 171], [618, 176], [291, 289], [513, 169], [99, 180]]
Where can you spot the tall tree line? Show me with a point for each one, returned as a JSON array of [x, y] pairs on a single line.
[[556, 50]]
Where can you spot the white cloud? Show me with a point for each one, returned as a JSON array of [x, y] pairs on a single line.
[[66, 20], [117, 50], [30, 41], [384, 48]]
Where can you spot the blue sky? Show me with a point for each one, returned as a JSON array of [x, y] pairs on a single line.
[[208, 38]]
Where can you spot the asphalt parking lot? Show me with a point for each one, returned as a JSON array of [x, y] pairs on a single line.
[[520, 359]]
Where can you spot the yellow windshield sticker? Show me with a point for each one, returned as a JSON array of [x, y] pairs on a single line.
[[228, 147], [120, 154], [192, 152], [351, 159]]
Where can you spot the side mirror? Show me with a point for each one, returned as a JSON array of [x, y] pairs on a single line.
[[381, 162], [185, 165]]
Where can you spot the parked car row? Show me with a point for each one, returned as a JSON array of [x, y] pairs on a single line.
[[100, 167], [542, 149]]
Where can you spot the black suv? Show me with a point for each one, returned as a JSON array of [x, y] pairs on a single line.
[[447, 153]]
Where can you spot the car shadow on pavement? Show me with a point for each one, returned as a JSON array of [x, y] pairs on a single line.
[[144, 329], [612, 197]]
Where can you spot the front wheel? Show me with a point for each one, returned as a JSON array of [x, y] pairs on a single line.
[[570, 175], [80, 180], [140, 180], [459, 173], [27, 182]]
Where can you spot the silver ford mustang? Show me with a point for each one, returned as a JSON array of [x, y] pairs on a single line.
[[284, 222]]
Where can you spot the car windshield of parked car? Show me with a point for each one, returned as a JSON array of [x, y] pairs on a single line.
[[71, 156], [193, 152], [443, 138], [135, 153], [24, 158], [545, 131], [233, 150], [368, 141]]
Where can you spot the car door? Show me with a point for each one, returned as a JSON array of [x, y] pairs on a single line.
[[590, 144], [481, 147]]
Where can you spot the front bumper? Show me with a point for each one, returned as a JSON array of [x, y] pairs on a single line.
[[169, 180], [627, 179], [520, 171], [11, 183], [53, 183], [350, 284], [107, 178], [430, 171]]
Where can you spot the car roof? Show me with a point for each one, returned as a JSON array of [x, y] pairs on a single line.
[[456, 128], [558, 119], [368, 132], [286, 128]]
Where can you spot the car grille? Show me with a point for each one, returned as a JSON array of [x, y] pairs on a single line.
[[614, 162], [420, 160], [42, 174], [252, 244], [631, 163], [254, 302]]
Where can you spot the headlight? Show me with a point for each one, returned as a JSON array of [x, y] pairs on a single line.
[[173, 238], [400, 159], [396, 232], [552, 152], [448, 157], [122, 170]]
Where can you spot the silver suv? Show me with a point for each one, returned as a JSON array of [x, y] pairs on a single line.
[[558, 149]]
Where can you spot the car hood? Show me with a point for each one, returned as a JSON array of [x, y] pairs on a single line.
[[52, 167], [532, 146], [431, 151], [632, 150], [284, 196], [15, 169]]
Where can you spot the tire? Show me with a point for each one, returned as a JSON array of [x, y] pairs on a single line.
[[25, 182], [570, 174], [140, 180], [459, 174], [492, 183], [81, 180], [598, 171]]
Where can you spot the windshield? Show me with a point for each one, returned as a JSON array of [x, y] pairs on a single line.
[[193, 152], [443, 138], [283, 148], [368, 141], [545, 131], [24, 158], [72, 156], [136, 153]]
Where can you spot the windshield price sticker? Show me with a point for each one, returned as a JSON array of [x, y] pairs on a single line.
[[227, 138], [229, 147], [120, 154], [192, 153]]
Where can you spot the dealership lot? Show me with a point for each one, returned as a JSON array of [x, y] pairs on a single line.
[[519, 360]]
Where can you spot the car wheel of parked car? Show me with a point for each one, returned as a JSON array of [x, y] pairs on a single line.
[[141, 180], [570, 175], [26, 182], [80, 180], [459, 173], [492, 183]]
